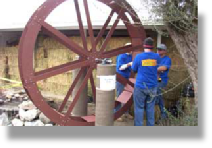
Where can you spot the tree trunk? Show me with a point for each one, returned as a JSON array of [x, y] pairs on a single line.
[[187, 45]]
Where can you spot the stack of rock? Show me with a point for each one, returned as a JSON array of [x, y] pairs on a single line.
[[17, 110], [9, 101], [15, 96], [29, 115]]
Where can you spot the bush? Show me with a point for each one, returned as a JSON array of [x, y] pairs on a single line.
[[187, 114]]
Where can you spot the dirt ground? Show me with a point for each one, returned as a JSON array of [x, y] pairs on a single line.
[[127, 122], [91, 110]]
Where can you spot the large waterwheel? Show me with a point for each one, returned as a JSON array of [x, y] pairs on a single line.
[[87, 60]]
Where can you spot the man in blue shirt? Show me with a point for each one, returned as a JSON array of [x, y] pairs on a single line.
[[123, 67], [163, 71], [145, 65]]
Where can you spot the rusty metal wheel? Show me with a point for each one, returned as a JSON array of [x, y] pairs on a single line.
[[87, 57]]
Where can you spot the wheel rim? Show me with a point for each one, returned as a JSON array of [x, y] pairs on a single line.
[[87, 58]]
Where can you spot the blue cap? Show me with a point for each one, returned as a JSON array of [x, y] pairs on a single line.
[[162, 47]]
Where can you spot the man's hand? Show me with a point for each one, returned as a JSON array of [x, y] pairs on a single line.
[[130, 64], [123, 67], [161, 69]]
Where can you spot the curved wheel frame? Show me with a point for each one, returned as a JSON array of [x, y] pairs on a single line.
[[87, 57]]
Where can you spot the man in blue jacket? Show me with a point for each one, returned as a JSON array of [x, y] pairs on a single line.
[[163, 71], [123, 67], [145, 65]]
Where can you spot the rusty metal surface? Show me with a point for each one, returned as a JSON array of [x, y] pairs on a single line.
[[124, 97], [89, 118], [90, 27], [87, 57], [82, 33]]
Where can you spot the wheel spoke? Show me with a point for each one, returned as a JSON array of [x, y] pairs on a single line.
[[93, 88], [84, 41], [104, 27], [60, 37], [120, 50], [90, 28], [47, 73], [112, 30], [71, 90], [76, 98]]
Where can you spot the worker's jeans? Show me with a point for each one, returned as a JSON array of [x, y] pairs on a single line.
[[159, 99], [119, 90], [144, 99]]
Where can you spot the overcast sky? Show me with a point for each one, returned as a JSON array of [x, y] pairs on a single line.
[[16, 13]]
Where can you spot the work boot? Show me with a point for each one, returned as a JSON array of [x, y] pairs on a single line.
[[128, 116], [120, 119]]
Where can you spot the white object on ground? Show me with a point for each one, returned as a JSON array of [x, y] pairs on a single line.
[[4, 121], [28, 124], [28, 115], [27, 105], [48, 125], [38, 123], [17, 122]]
